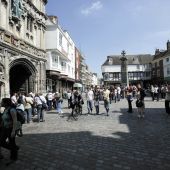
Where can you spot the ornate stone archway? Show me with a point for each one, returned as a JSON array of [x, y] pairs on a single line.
[[22, 76]]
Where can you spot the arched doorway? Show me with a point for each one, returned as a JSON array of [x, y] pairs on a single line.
[[22, 76]]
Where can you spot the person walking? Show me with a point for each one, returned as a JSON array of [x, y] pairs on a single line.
[[49, 100], [68, 97], [28, 107], [90, 97], [59, 101], [96, 99], [140, 101], [9, 127], [106, 93], [129, 98], [39, 99], [167, 100]]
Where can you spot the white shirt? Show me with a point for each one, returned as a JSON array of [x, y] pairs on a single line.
[[90, 95], [50, 96], [40, 99], [118, 90], [14, 99]]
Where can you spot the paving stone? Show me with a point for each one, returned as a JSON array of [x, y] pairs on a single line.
[[120, 141]]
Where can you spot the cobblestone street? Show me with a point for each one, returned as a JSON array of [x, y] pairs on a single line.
[[119, 141]]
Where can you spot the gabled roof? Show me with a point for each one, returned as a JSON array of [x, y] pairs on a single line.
[[132, 59], [160, 55]]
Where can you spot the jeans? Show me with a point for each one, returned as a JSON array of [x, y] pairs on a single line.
[[90, 106], [118, 97], [106, 105], [49, 103], [97, 109], [28, 114], [40, 113]]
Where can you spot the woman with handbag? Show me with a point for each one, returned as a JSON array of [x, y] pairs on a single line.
[[140, 101]]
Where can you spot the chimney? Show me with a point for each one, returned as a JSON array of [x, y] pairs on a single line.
[[157, 51], [53, 19], [168, 45]]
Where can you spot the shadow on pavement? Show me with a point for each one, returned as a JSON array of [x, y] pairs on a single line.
[[144, 146]]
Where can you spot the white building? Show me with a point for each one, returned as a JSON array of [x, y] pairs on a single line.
[[60, 57], [139, 68], [94, 79]]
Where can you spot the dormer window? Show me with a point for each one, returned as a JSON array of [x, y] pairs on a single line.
[[167, 59], [110, 60]]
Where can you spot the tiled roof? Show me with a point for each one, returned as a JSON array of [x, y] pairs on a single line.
[[132, 59]]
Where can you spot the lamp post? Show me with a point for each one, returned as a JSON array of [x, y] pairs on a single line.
[[124, 71]]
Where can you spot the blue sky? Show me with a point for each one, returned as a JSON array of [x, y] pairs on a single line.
[[105, 27]]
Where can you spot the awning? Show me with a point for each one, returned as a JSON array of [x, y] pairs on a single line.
[[77, 85]]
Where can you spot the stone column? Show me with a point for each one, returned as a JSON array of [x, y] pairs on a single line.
[[42, 77], [124, 71], [6, 73]]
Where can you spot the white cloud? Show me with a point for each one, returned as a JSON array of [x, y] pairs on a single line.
[[95, 6]]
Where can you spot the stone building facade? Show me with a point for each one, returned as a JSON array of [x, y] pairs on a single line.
[[22, 46]]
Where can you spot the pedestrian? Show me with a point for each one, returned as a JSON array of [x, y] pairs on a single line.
[[140, 101], [167, 100], [20, 108], [9, 118], [90, 97], [49, 100], [39, 100], [59, 102], [1, 156], [68, 97], [106, 93], [28, 108], [118, 93], [129, 98], [97, 99]]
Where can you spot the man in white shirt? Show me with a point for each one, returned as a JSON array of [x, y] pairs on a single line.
[[90, 97], [118, 93], [39, 100]]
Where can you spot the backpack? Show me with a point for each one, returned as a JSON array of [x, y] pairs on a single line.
[[20, 116]]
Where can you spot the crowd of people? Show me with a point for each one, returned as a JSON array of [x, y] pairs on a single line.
[[36, 104]]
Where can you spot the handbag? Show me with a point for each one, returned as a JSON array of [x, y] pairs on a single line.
[[44, 105], [139, 103]]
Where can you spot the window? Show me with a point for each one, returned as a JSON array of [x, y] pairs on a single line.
[[168, 71], [54, 60], [110, 60], [111, 75], [60, 39], [138, 67], [167, 59], [29, 23]]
